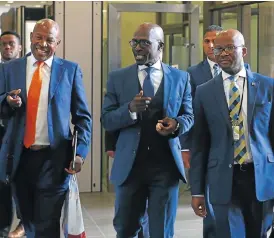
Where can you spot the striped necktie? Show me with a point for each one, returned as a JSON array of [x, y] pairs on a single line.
[[240, 151], [215, 70]]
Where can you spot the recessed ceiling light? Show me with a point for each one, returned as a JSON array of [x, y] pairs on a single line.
[[38, 6], [10, 2]]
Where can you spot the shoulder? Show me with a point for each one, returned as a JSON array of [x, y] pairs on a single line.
[[176, 72], [65, 63], [196, 67], [123, 71]]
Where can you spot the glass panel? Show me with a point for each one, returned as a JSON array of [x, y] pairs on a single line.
[[253, 51], [229, 18], [266, 39]]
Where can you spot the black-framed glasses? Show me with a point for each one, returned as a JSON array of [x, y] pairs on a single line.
[[142, 43], [228, 49]]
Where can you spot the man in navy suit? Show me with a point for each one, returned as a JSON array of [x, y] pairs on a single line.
[[44, 90], [150, 104], [233, 140]]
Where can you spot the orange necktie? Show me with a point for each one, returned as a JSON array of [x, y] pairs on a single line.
[[32, 106]]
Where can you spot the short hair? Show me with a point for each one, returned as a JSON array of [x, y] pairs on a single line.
[[11, 33], [213, 28]]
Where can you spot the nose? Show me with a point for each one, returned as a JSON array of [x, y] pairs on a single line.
[[211, 44], [138, 48], [223, 53], [43, 43]]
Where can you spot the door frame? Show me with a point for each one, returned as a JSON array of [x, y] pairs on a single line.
[[114, 29]]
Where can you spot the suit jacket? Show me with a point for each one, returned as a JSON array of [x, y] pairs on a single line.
[[199, 74], [122, 87], [66, 98], [212, 150]]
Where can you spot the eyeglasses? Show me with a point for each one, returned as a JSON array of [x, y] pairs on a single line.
[[143, 43], [227, 49]]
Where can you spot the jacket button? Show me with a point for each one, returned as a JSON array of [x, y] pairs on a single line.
[[134, 151], [230, 166]]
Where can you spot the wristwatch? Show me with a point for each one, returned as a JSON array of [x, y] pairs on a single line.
[[177, 126]]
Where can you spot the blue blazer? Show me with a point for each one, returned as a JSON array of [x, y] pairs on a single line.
[[212, 149], [122, 87], [66, 98]]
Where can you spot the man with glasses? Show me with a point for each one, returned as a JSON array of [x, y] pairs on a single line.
[[150, 104], [233, 137], [10, 48]]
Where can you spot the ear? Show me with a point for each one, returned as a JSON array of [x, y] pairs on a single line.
[[31, 36], [244, 51], [161, 46], [20, 48], [58, 42]]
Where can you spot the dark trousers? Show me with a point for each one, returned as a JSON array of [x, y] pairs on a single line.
[[157, 185], [244, 197], [40, 198], [5, 210]]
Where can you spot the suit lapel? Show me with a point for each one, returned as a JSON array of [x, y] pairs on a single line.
[[22, 83], [206, 71], [220, 98], [167, 89], [252, 88], [131, 82], [57, 71]]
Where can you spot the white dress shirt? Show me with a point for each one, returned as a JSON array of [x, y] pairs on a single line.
[[156, 77], [240, 80], [41, 136]]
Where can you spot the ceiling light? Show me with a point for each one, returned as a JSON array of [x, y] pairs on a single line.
[[38, 6], [10, 2], [7, 5]]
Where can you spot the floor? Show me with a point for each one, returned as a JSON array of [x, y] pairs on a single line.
[[98, 213]]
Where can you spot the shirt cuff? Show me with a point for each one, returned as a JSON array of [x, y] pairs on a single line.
[[199, 195], [133, 115], [185, 150]]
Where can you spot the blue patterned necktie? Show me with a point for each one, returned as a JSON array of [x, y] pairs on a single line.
[[148, 85], [216, 70], [240, 151]]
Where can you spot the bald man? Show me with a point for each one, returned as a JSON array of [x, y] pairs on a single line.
[[39, 93], [150, 104], [233, 137]]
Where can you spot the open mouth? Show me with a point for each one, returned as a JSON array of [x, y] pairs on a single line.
[[40, 51], [140, 57]]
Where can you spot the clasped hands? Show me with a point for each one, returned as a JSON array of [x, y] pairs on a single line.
[[140, 104]]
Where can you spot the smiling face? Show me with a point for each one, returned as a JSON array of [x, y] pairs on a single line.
[[147, 44], [44, 39]]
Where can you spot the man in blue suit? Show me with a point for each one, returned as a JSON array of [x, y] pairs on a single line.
[[150, 104], [39, 92], [233, 140]]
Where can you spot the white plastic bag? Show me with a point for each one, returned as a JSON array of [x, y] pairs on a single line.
[[72, 218]]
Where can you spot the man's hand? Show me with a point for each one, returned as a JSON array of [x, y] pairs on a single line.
[[111, 153], [186, 159], [78, 166], [198, 206], [139, 103], [13, 99], [166, 126]]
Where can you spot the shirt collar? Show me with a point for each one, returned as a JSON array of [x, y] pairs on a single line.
[[241, 73], [48, 62], [211, 63], [157, 65]]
